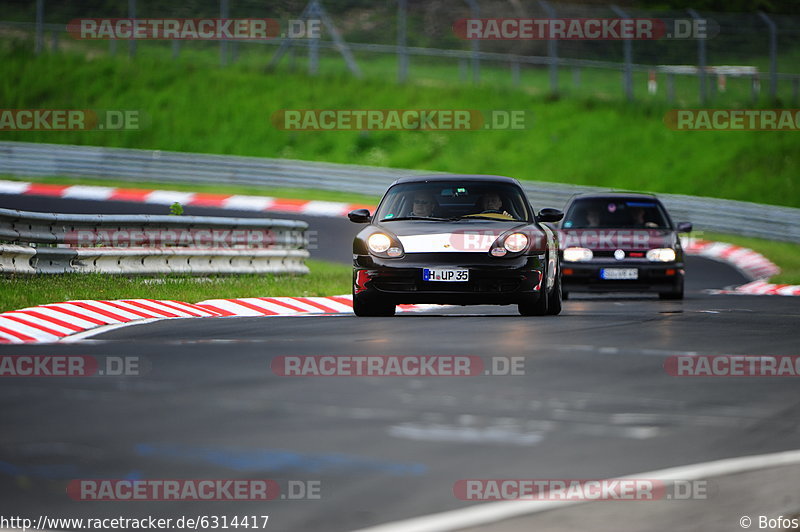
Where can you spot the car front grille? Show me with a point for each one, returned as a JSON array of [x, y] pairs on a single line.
[[478, 286]]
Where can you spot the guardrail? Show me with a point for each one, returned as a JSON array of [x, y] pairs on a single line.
[[33, 159], [143, 244]]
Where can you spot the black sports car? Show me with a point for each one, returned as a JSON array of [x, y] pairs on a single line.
[[617, 242], [456, 239]]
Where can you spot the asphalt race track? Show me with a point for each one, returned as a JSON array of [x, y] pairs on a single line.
[[594, 402]]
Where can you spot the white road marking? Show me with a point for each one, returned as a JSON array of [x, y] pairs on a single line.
[[484, 514]]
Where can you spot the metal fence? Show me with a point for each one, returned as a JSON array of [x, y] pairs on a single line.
[[33, 242], [413, 39], [33, 159]]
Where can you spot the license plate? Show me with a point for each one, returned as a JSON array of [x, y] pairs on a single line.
[[438, 274], [619, 273]]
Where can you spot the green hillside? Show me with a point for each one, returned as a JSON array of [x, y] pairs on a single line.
[[228, 111]]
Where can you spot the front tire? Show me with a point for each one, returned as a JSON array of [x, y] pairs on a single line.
[[554, 303], [371, 307], [676, 294], [537, 307]]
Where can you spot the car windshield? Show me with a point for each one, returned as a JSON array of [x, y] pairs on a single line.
[[454, 200], [606, 213]]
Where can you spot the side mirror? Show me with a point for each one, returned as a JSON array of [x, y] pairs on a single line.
[[684, 227], [359, 216], [549, 215]]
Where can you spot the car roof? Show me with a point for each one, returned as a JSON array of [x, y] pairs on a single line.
[[460, 177], [615, 195]]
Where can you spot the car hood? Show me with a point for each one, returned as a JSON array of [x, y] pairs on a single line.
[[420, 236], [621, 238]]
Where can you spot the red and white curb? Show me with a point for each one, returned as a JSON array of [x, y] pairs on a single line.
[[56, 321], [753, 264], [73, 319], [279, 306], [194, 199], [763, 288]]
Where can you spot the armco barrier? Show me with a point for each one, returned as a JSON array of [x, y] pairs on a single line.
[[16, 258], [33, 159], [52, 243], [193, 261]]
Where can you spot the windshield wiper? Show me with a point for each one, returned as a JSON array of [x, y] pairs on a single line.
[[482, 217], [414, 218]]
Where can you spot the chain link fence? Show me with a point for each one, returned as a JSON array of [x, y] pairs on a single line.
[[748, 57]]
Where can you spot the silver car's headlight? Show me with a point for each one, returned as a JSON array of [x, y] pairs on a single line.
[[661, 255], [577, 254]]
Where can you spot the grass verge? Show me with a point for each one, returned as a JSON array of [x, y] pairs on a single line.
[[785, 254], [192, 107], [325, 279]]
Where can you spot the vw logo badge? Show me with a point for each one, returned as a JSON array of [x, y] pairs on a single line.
[[619, 254]]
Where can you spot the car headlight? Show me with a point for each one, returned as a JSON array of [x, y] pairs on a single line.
[[577, 254], [661, 255], [516, 242], [379, 243]]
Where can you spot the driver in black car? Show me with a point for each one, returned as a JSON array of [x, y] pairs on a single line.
[[492, 204], [422, 204]]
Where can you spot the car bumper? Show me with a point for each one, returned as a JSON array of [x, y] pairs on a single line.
[[585, 277], [491, 281]]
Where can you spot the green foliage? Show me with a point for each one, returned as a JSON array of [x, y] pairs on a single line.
[[197, 107]]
